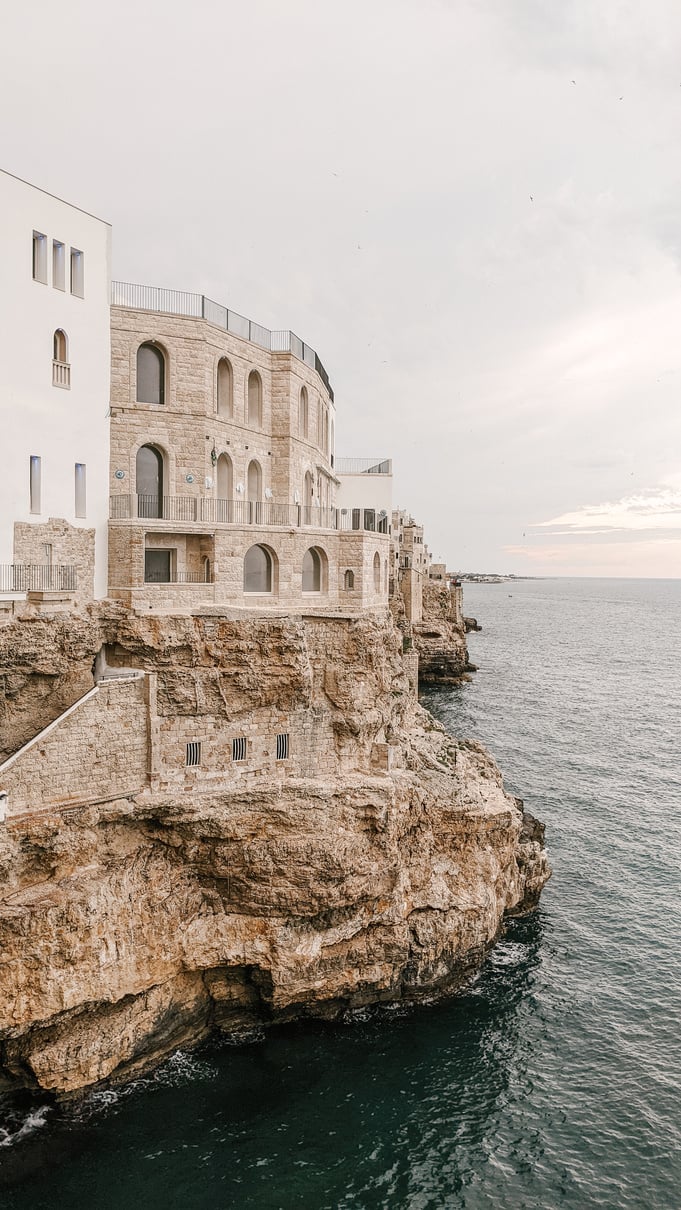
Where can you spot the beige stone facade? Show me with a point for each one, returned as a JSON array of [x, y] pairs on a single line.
[[410, 563], [63, 557], [239, 469], [263, 700]]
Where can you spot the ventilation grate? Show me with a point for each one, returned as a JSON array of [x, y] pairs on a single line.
[[193, 754], [239, 748], [282, 747]]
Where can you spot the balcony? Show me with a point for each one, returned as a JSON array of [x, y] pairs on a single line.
[[209, 510], [197, 306], [364, 466], [61, 374], [38, 577], [156, 575]]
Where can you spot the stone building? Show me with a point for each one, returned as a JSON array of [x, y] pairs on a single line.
[[223, 488], [410, 563]]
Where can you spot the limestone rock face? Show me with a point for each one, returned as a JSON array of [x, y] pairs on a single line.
[[135, 926], [45, 664], [440, 639]]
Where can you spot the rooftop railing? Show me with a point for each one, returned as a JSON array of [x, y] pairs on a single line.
[[197, 306], [38, 577], [364, 466], [212, 511]]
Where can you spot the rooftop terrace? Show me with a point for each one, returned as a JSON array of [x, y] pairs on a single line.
[[197, 306]]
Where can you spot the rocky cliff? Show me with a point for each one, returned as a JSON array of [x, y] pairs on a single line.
[[377, 867], [440, 638]]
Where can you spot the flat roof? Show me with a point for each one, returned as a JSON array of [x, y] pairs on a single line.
[[54, 195]]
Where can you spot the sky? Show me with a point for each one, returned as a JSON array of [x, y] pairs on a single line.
[[471, 209]]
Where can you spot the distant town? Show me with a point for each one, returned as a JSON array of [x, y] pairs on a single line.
[[487, 577]]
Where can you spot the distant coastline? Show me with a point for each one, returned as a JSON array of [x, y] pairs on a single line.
[[490, 577]]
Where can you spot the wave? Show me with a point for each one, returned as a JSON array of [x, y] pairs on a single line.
[[32, 1122]]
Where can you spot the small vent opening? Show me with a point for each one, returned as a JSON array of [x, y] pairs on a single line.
[[282, 747], [193, 754], [239, 748]]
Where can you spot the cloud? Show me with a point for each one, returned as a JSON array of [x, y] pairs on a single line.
[[653, 509]]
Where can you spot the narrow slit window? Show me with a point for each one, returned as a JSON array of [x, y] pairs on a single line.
[[81, 500], [39, 257], [239, 748], [58, 265], [77, 273], [193, 754], [34, 484], [282, 747]]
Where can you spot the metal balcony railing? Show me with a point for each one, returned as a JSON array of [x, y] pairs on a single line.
[[38, 577], [197, 306], [211, 511], [179, 577], [368, 519], [364, 466]]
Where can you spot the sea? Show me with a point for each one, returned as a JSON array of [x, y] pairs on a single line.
[[554, 1079]]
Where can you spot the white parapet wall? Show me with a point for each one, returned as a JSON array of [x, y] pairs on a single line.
[[54, 386]]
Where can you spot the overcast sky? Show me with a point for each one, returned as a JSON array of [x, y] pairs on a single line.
[[472, 210]]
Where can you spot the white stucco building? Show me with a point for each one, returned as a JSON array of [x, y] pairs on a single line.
[[54, 393], [366, 484]]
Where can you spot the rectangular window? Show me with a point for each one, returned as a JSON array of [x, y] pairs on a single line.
[[47, 550], [34, 484], [193, 754], [58, 265], [157, 567], [282, 747], [81, 504], [77, 273], [39, 257], [239, 748]]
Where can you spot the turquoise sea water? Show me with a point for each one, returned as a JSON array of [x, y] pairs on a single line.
[[554, 1081]]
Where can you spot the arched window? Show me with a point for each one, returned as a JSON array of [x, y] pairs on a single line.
[[151, 373], [349, 579], [207, 570], [60, 346], [326, 431], [254, 399], [377, 572], [308, 498], [312, 571], [224, 388], [254, 481], [303, 412], [224, 477], [258, 569], [332, 448], [149, 481]]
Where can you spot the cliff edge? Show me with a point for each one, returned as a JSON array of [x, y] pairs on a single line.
[[374, 862]]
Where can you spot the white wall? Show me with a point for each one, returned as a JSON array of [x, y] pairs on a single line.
[[366, 491], [61, 426]]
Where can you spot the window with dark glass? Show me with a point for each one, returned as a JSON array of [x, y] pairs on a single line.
[[312, 571], [149, 481], [150, 374], [258, 570]]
